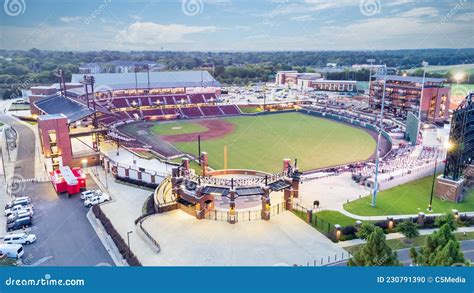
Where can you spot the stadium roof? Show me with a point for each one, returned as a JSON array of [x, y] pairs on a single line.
[[73, 110], [416, 79], [164, 79]]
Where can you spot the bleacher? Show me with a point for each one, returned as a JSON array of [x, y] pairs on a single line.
[[152, 112], [230, 109], [191, 112], [153, 107], [120, 103], [211, 111]]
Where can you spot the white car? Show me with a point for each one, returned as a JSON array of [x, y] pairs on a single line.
[[19, 238], [18, 209], [90, 193], [96, 200], [24, 200]]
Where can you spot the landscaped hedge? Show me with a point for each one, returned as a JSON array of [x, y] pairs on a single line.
[[137, 182], [118, 240]]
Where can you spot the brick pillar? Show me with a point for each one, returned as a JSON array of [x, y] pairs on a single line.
[[185, 163], [286, 164], [295, 183], [288, 199], [204, 163], [266, 204], [199, 208], [309, 216], [421, 218], [232, 215]]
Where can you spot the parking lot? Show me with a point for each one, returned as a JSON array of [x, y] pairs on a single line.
[[64, 235]]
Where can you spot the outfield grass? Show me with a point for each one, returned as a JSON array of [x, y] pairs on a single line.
[[262, 142], [250, 109], [409, 198], [443, 69], [177, 127]]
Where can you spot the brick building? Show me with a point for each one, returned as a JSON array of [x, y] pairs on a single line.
[[403, 95]]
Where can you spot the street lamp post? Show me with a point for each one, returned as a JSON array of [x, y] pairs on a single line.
[[379, 137], [432, 184], [446, 147], [128, 241], [370, 77], [425, 64]]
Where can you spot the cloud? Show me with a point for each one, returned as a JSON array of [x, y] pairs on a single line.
[[151, 34], [420, 12], [465, 17], [302, 18], [68, 19]]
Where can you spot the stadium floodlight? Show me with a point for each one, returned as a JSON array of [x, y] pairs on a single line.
[[371, 61], [458, 77], [379, 138], [424, 64]]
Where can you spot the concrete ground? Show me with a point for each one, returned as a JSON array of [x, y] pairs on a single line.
[[185, 241], [124, 209], [65, 236], [332, 192]]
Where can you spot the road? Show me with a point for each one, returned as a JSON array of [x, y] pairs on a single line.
[[65, 236]]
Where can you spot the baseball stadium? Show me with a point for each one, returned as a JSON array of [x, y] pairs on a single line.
[[180, 114]]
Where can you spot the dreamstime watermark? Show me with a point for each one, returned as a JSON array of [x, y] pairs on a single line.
[[104, 96], [16, 184], [275, 12], [453, 11], [23, 86], [192, 7], [97, 11], [47, 280], [370, 7], [14, 7]]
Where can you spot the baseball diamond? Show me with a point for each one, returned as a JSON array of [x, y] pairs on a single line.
[[259, 142]]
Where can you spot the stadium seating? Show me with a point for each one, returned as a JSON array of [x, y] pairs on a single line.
[[196, 99], [120, 103], [211, 111], [230, 110], [152, 112], [192, 112]]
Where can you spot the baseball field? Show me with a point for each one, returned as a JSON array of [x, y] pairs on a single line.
[[260, 142]]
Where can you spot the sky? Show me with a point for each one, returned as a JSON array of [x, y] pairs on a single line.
[[235, 25]]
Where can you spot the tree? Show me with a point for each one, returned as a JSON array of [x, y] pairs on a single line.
[[441, 249], [447, 219], [365, 230], [408, 229], [375, 252]]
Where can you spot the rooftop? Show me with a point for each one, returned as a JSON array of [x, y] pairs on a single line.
[[59, 105], [165, 79], [415, 79]]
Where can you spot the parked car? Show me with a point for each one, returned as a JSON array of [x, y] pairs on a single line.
[[90, 193], [24, 200], [19, 224], [18, 209], [19, 238], [17, 215], [96, 200], [11, 250]]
